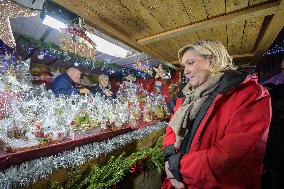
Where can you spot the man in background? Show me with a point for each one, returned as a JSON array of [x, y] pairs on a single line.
[[103, 88], [65, 84]]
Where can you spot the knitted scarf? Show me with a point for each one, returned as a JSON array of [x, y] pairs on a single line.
[[187, 112]]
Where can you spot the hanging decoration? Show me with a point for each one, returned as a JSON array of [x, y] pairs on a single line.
[[76, 41], [160, 72], [11, 9], [79, 32], [138, 65]]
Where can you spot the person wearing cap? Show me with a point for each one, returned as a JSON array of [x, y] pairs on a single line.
[[65, 84], [103, 88]]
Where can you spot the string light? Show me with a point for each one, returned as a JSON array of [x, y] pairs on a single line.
[[53, 51], [277, 49]]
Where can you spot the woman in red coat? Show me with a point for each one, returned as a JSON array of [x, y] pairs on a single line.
[[217, 136]]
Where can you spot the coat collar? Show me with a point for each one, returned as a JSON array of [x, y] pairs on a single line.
[[69, 79], [230, 80]]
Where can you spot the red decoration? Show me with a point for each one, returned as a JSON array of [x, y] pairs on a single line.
[[149, 84], [133, 169], [139, 166], [80, 33]]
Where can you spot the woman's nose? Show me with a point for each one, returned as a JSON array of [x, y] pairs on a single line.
[[186, 71]]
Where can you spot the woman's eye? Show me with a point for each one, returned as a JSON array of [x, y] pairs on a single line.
[[190, 63]]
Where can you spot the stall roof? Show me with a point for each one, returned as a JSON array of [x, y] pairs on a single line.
[[32, 26], [160, 27]]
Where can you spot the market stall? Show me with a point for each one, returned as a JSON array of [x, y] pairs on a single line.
[[41, 133]]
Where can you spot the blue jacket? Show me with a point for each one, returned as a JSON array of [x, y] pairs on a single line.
[[64, 85]]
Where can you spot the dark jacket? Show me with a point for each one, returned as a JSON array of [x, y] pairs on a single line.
[[226, 142], [63, 85], [274, 155], [99, 90], [172, 102]]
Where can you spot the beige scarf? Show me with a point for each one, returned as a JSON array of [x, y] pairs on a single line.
[[189, 109]]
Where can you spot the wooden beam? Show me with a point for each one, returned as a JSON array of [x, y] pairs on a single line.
[[272, 30], [262, 10], [237, 56], [274, 27], [175, 62], [252, 28], [108, 30], [235, 33]]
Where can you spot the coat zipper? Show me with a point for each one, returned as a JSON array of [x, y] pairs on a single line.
[[206, 115]]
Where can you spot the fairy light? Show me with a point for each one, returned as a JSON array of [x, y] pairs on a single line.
[[277, 49]]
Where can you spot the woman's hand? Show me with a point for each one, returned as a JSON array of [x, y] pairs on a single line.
[[169, 174], [175, 183]]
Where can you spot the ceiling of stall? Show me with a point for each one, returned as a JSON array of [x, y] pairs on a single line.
[[160, 27], [32, 26]]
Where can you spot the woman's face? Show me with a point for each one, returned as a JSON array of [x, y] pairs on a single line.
[[196, 68]]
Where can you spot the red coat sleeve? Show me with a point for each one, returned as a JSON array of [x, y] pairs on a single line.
[[169, 138], [244, 131]]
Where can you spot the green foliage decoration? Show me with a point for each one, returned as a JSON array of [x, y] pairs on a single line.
[[107, 176]]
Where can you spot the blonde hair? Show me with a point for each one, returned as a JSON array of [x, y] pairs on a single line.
[[212, 50]]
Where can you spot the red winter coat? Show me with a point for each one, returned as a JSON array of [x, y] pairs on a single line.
[[228, 146]]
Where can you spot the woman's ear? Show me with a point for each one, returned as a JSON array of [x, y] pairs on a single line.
[[211, 60]]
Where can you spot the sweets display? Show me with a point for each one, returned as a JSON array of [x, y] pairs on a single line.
[[32, 117]]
